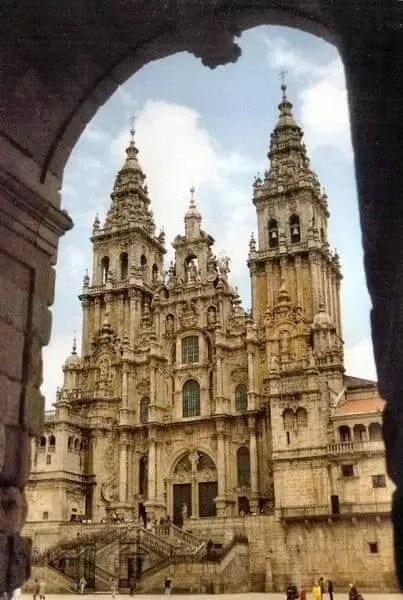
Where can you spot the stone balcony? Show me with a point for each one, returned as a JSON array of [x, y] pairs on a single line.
[[367, 446], [348, 511]]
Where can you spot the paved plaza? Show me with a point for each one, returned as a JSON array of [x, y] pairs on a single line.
[[248, 596]]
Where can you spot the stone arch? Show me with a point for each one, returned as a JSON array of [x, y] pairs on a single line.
[[289, 420], [359, 432], [272, 231], [345, 433], [76, 444], [375, 431], [295, 229], [194, 480], [105, 266], [124, 265], [52, 442], [42, 442], [301, 417]]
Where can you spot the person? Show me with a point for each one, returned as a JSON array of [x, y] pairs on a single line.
[[291, 592], [113, 585], [132, 585], [82, 584], [353, 593], [316, 591], [17, 594], [322, 587], [168, 586], [330, 588], [302, 593], [42, 586], [36, 589]]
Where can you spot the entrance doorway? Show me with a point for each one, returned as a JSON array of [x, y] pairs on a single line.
[[207, 493], [182, 495]]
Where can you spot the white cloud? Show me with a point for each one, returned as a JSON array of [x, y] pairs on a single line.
[[359, 360], [176, 152], [322, 95]]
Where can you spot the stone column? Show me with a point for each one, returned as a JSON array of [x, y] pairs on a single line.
[[30, 226], [151, 466], [123, 456], [254, 499], [316, 291], [269, 285], [298, 278], [124, 385], [85, 303], [132, 315], [221, 498], [97, 314]]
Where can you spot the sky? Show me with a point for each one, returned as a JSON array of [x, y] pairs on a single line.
[[211, 129]]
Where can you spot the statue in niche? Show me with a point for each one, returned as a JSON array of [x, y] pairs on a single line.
[[185, 511], [274, 367], [194, 459], [104, 369], [169, 325], [311, 359], [284, 340], [211, 316]]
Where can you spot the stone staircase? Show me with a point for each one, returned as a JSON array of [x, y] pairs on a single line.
[[99, 548]]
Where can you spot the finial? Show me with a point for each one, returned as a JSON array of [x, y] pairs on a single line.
[[283, 73], [74, 349], [192, 194], [132, 130]]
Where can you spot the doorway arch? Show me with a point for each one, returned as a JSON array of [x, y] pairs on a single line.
[[194, 486]]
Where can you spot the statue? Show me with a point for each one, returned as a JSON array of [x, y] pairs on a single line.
[[211, 316], [274, 363], [169, 325], [311, 359], [185, 511], [284, 342]]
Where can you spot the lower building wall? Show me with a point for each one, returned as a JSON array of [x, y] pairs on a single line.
[[336, 549]]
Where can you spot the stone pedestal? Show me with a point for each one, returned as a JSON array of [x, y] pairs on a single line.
[[268, 580]]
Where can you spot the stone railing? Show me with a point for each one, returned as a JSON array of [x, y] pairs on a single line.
[[306, 512], [156, 544], [50, 415], [355, 447]]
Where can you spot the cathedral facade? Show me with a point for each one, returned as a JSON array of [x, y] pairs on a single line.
[[184, 404]]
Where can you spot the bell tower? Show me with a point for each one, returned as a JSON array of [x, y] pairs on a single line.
[[292, 212], [127, 258]]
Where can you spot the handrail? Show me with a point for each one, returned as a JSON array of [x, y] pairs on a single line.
[[344, 509]]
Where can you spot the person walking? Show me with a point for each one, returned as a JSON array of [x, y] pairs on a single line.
[[303, 593], [168, 586], [17, 595], [113, 585], [36, 590], [291, 592], [42, 587], [353, 593], [316, 591], [82, 584], [330, 589], [132, 585], [322, 587]]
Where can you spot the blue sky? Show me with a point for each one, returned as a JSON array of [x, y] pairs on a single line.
[[212, 129]]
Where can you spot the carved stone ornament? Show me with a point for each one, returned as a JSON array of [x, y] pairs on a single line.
[[189, 315], [239, 374], [143, 386]]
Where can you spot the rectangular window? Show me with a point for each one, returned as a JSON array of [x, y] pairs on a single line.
[[378, 481], [45, 515], [347, 470], [190, 350], [373, 547], [48, 459]]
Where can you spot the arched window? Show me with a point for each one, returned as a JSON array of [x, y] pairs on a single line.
[[76, 444], [345, 433], [273, 233], [143, 476], [359, 433], [83, 445], [105, 268], [190, 349], [241, 398], [243, 466], [124, 265], [143, 264], [375, 431], [52, 443], [42, 442], [70, 443], [191, 399], [155, 273], [301, 417], [144, 405], [288, 419], [295, 229]]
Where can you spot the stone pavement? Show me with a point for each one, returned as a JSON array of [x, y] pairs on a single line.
[[244, 596]]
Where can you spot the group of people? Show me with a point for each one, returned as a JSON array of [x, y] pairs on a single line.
[[320, 587]]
